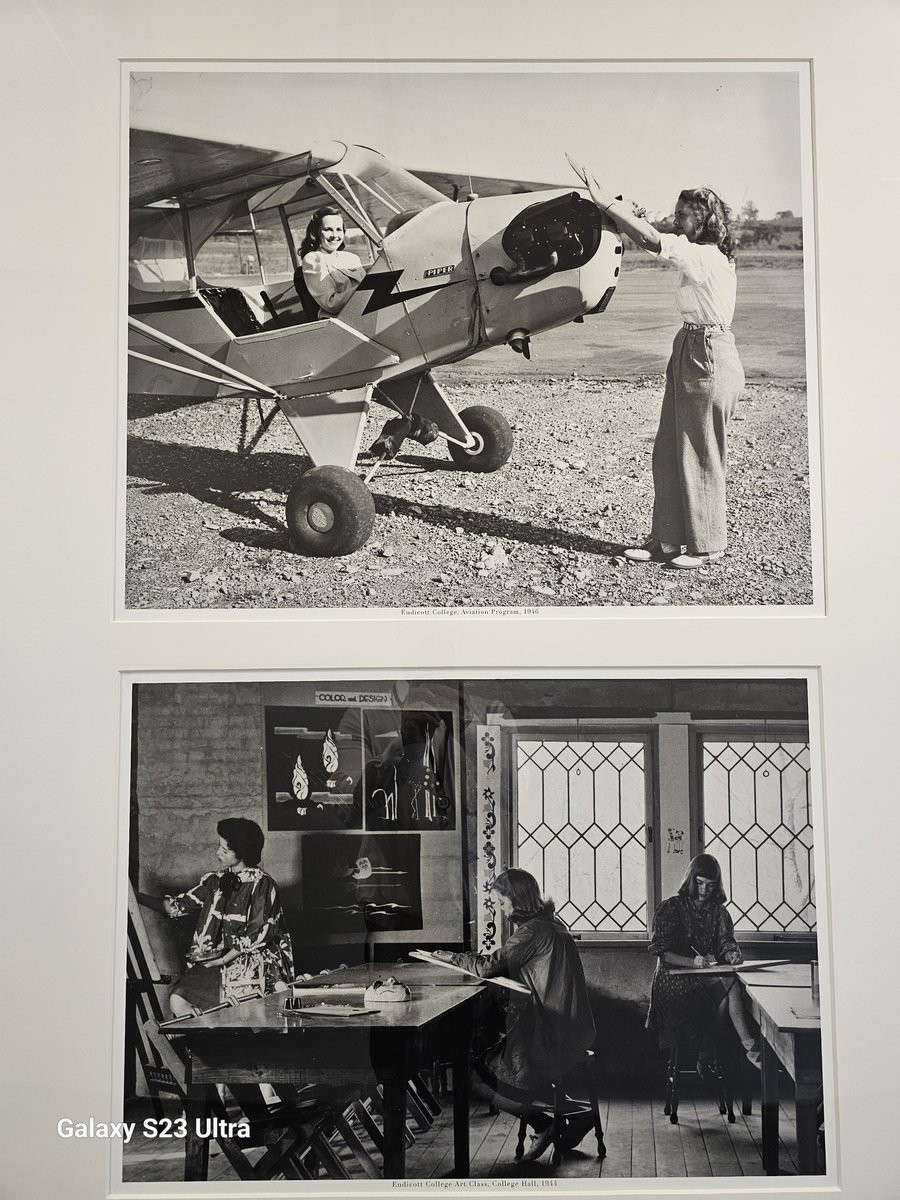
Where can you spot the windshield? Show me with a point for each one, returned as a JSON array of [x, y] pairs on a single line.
[[382, 193]]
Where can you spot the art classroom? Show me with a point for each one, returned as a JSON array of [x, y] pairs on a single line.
[[388, 814]]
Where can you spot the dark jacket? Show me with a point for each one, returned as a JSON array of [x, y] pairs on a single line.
[[548, 1031]]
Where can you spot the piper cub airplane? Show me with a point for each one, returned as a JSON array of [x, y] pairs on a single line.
[[213, 310]]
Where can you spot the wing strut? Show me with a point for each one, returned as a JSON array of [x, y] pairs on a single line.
[[228, 377]]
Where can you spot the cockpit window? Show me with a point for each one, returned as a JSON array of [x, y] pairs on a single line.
[[299, 212], [383, 195], [157, 259], [231, 257]]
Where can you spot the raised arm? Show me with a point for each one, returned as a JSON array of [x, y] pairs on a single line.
[[622, 212]]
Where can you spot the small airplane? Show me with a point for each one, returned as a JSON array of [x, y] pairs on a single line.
[[213, 310]]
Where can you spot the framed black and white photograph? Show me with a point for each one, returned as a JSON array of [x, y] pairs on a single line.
[[464, 412], [601, 818]]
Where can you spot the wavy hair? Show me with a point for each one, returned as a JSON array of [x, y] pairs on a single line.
[[522, 889], [244, 838], [716, 219], [314, 228], [707, 867]]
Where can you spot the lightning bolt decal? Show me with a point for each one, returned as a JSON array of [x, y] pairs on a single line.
[[383, 295]]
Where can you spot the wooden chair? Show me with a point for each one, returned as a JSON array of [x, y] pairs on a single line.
[[716, 1078], [564, 1107]]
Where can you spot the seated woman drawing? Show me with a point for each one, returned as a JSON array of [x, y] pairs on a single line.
[[547, 1032], [694, 929], [241, 945], [328, 273]]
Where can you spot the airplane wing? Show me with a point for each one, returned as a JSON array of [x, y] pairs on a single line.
[[167, 166], [454, 185]]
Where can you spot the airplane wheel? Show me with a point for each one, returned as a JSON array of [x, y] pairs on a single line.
[[494, 440], [330, 512]]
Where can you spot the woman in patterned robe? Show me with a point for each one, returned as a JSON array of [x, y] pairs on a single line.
[[241, 945], [694, 929]]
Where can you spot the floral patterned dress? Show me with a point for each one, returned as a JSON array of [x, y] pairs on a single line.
[[686, 1004], [246, 916]]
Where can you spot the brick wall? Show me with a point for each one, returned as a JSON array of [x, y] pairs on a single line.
[[199, 759]]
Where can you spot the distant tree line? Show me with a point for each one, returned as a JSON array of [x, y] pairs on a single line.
[[784, 231]]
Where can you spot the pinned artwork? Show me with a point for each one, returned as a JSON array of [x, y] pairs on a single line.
[[408, 776], [314, 763], [361, 884]]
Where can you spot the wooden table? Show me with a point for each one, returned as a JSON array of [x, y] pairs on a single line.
[[258, 1042], [793, 975], [791, 1035], [775, 995]]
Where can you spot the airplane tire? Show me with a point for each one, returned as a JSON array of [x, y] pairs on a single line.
[[329, 512], [495, 440]]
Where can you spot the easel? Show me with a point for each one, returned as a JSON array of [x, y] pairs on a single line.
[[145, 992]]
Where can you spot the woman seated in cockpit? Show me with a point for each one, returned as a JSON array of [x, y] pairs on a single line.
[[329, 273]]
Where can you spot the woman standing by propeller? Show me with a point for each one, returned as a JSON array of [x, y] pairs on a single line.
[[704, 376]]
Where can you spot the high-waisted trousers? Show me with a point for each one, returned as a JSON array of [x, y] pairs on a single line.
[[704, 379]]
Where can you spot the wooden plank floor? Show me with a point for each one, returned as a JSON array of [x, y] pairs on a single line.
[[641, 1144]]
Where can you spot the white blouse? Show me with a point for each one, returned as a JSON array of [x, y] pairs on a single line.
[[706, 286], [332, 278]]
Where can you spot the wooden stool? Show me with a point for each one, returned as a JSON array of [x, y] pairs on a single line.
[[716, 1078], [563, 1108]]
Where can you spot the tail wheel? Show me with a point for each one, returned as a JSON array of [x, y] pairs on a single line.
[[493, 440], [329, 512]]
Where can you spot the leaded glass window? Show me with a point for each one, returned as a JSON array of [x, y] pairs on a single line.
[[757, 822], [580, 828]]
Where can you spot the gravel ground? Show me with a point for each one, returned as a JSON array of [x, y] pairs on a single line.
[[205, 522]]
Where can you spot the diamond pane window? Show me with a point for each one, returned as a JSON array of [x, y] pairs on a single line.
[[758, 824], [589, 800]]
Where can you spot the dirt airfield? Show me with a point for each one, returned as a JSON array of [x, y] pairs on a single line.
[[205, 522]]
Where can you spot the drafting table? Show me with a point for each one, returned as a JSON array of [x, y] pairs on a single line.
[[258, 1042], [764, 974], [792, 1035], [410, 973], [779, 997]]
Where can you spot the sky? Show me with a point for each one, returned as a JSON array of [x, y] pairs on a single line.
[[646, 131]]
